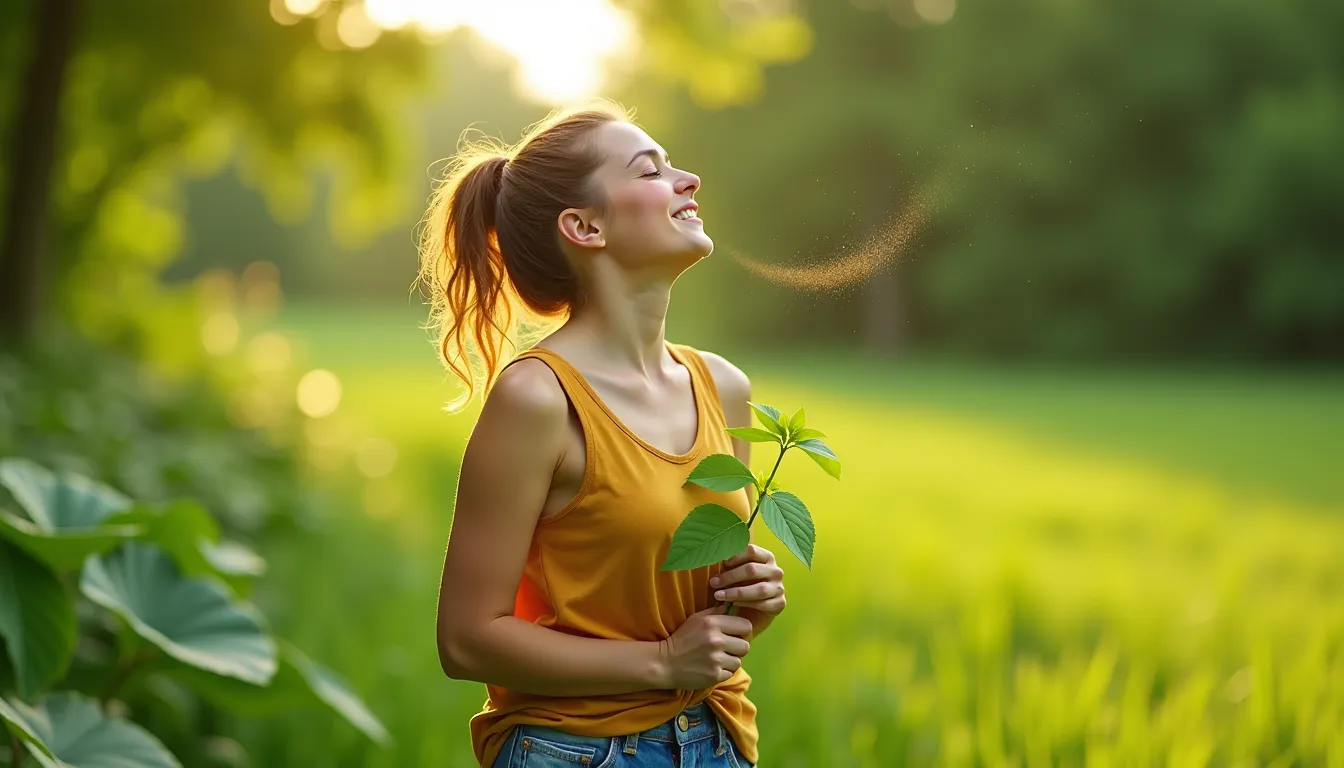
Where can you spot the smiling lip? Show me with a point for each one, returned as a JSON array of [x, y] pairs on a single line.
[[692, 207]]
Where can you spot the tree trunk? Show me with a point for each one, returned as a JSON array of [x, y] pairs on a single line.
[[30, 164]]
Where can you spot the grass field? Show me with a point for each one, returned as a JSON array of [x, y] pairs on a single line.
[[1020, 567]]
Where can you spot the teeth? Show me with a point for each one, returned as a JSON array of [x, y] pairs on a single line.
[[686, 214]]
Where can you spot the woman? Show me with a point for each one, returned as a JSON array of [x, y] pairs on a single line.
[[573, 479]]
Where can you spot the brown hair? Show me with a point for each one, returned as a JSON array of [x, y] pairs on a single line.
[[490, 251]]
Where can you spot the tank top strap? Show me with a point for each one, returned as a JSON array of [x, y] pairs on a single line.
[[596, 417], [575, 384], [570, 379]]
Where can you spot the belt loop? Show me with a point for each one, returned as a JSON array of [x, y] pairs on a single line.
[[723, 743], [631, 743]]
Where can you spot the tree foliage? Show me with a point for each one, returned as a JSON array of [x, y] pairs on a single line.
[[1117, 178], [156, 90]]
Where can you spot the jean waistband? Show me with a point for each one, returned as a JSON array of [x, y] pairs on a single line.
[[691, 724]]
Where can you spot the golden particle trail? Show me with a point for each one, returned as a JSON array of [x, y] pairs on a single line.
[[859, 264]]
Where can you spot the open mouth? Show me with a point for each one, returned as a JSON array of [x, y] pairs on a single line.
[[686, 214]]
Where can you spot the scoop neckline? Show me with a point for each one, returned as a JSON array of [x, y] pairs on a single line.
[[697, 394]]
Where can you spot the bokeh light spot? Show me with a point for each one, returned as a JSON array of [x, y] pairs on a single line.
[[355, 28], [304, 7], [936, 11], [392, 14], [219, 333], [319, 393], [269, 352], [376, 457]]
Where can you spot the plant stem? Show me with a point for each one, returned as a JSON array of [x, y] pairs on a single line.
[[760, 495]]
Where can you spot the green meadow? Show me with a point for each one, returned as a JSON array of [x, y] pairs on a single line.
[[1021, 566]]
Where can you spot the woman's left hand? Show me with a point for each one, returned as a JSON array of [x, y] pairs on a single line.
[[752, 580]]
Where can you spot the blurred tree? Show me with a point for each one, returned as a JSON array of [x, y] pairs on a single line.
[[31, 154], [156, 88], [159, 89], [1141, 178]]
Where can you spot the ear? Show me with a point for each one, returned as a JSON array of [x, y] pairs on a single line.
[[580, 227]]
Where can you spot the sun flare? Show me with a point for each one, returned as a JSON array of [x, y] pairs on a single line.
[[562, 49]]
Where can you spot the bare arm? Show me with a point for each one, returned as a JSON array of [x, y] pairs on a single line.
[[506, 475], [735, 391]]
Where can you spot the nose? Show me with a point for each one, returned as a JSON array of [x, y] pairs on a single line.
[[689, 182]]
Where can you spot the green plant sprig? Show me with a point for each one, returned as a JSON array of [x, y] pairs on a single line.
[[712, 533]]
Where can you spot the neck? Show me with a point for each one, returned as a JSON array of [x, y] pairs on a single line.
[[625, 317]]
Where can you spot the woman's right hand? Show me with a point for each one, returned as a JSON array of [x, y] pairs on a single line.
[[705, 650]]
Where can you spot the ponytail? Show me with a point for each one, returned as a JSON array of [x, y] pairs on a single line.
[[490, 253], [466, 271]]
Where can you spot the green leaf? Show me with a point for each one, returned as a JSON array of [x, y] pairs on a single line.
[[299, 682], [825, 458], [788, 518], [190, 535], [721, 472], [67, 514], [59, 501], [18, 726], [76, 734], [808, 434], [753, 434], [234, 562], [192, 620], [709, 534], [761, 478], [37, 621], [333, 691], [769, 418], [798, 421]]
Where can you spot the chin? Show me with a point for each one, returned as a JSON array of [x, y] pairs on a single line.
[[704, 245], [701, 250], [684, 259]]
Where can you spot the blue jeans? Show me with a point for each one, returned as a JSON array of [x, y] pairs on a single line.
[[692, 739]]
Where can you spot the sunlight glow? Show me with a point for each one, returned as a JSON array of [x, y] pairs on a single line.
[[562, 49]]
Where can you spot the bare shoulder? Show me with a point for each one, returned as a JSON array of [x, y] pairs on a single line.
[[527, 397], [733, 384]]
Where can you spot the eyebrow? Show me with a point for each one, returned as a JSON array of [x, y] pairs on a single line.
[[650, 153]]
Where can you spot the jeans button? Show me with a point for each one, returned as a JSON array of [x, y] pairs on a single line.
[[683, 722]]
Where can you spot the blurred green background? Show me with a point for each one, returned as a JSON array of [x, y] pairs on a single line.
[[1090, 413]]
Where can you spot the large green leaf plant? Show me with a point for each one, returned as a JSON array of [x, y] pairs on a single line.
[[176, 594]]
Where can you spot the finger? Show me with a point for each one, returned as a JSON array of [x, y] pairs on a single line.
[[736, 645], [753, 553], [761, 590], [736, 625], [774, 606], [747, 572]]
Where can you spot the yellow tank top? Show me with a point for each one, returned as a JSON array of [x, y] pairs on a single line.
[[592, 569]]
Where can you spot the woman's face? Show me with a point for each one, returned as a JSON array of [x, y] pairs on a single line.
[[650, 215]]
